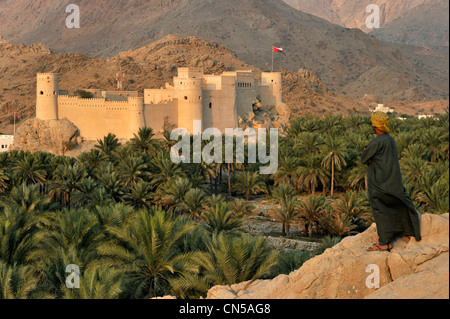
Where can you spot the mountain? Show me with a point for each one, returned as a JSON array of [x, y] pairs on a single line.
[[148, 67], [413, 22], [345, 60], [424, 25]]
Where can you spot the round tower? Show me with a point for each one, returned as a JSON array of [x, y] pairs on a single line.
[[190, 95], [47, 96], [136, 115], [274, 80]]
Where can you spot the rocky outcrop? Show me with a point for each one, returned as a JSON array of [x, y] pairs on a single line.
[[54, 136], [347, 271]]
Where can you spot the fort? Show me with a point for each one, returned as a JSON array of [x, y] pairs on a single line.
[[215, 100]]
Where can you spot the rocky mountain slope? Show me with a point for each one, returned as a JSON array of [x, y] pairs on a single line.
[[413, 22], [148, 67], [345, 60], [412, 270], [424, 25]]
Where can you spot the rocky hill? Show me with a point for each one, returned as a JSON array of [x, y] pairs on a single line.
[[148, 67], [412, 270], [352, 14], [424, 25], [345, 60]]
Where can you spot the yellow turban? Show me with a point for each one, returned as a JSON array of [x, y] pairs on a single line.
[[380, 121]]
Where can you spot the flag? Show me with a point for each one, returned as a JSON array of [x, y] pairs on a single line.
[[275, 49], [15, 114]]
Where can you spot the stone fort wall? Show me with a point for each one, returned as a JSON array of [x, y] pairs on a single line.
[[216, 100], [95, 118]]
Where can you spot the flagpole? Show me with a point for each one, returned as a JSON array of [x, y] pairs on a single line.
[[272, 59]]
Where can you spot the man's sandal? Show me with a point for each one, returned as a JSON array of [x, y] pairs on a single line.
[[377, 247]]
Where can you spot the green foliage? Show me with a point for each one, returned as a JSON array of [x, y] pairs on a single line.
[[139, 225], [84, 94]]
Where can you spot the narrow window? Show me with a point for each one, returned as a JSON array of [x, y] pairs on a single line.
[[210, 105]]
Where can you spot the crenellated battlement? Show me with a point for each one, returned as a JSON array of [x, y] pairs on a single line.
[[216, 100]]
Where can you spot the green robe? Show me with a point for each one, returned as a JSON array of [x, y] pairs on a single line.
[[393, 209]]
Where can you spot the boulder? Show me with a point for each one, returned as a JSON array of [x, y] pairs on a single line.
[[347, 271], [50, 136]]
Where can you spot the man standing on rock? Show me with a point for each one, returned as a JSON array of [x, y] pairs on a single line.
[[393, 209]]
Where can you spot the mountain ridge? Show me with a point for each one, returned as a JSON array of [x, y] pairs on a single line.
[[347, 60], [151, 66]]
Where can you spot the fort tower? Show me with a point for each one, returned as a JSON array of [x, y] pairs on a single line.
[[274, 81], [188, 88], [136, 115], [47, 96]]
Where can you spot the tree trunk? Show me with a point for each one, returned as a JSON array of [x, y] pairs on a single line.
[[332, 179], [229, 179]]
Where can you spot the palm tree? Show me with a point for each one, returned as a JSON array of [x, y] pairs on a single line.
[[287, 172], [194, 202], [328, 242], [354, 122], [164, 170], [286, 197], [72, 238], [94, 158], [312, 174], [434, 193], [337, 223], [249, 183], [416, 150], [29, 170], [311, 210], [140, 195], [227, 261], [27, 198], [109, 179], [234, 165], [144, 141], [334, 157], [354, 206], [108, 144], [3, 180], [404, 139], [144, 250], [83, 195], [132, 169], [97, 283], [289, 261], [241, 207], [17, 235], [357, 177], [67, 179], [172, 194], [331, 123], [434, 139], [221, 218], [18, 281], [308, 143], [414, 168]]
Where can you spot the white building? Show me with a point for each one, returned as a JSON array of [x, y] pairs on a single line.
[[5, 142], [424, 116], [384, 109]]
